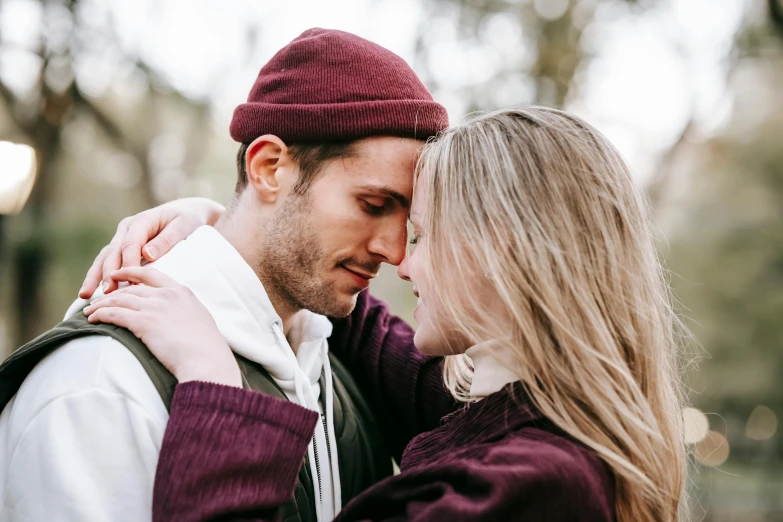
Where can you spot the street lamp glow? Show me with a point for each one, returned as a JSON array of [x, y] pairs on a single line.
[[17, 175]]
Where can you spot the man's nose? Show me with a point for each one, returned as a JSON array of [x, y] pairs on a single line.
[[389, 243]]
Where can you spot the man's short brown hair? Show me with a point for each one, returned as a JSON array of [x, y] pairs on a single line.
[[310, 158]]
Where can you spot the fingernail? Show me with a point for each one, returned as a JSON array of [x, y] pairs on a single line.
[[81, 290], [152, 253], [105, 286]]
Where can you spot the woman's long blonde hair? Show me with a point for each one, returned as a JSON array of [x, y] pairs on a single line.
[[536, 207]]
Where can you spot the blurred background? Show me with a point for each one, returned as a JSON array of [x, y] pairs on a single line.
[[108, 107]]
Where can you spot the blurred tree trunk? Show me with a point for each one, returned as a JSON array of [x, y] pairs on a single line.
[[29, 258], [2, 240], [776, 15], [559, 55]]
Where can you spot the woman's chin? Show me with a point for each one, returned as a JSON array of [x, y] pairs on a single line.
[[431, 343], [425, 342]]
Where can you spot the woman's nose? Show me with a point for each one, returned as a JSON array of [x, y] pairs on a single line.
[[402, 270]]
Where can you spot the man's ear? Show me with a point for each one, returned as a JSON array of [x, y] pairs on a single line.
[[263, 159]]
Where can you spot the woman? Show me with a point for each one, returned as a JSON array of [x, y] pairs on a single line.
[[538, 280]]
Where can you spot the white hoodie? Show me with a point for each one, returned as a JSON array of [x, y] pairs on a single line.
[[80, 440]]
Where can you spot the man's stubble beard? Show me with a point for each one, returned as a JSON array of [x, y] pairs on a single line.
[[294, 262]]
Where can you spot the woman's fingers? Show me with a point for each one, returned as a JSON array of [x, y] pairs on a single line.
[[148, 235], [94, 276], [112, 259], [123, 317], [111, 262], [144, 275], [130, 251], [140, 290], [173, 233], [144, 228], [117, 300]]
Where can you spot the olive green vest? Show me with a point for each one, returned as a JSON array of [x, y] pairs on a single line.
[[362, 456]]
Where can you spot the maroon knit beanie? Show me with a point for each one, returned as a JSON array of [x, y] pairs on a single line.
[[334, 86]]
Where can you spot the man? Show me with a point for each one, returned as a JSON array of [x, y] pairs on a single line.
[[329, 138]]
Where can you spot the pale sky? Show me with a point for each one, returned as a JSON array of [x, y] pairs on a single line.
[[649, 74]]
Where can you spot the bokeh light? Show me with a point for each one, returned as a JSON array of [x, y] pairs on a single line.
[[762, 424], [696, 425], [17, 164], [713, 449]]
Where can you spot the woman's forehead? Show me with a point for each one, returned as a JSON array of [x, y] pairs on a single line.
[[419, 202]]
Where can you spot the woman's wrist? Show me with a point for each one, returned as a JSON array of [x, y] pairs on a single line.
[[215, 211], [226, 373], [203, 210]]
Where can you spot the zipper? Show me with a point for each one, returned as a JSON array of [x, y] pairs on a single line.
[[326, 434], [318, 472], [317, 464]]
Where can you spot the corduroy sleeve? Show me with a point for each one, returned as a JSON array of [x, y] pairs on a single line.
[[404, 385], [229, 452]]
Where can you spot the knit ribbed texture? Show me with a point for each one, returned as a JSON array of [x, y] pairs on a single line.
[[273, 435], [334, 86]]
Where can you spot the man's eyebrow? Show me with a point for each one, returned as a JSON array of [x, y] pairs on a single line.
[[388, 192]]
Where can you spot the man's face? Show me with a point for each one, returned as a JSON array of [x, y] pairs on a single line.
[[322, 248]]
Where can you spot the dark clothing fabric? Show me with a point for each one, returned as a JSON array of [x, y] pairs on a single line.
[[362, 455], [231, 454], [328, 86]]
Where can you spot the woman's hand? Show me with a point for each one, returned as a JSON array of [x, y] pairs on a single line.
[[168, 318], [149, 234]]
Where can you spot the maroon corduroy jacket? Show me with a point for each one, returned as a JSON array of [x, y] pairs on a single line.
[[233, 454]]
